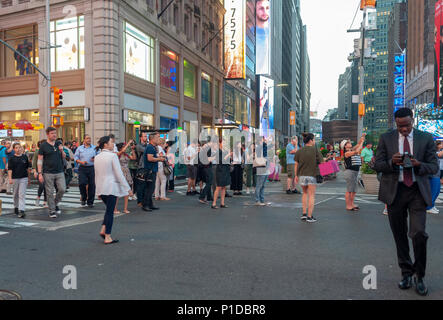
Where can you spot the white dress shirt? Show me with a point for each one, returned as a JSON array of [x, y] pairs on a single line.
[[109, 178], [401, 141]]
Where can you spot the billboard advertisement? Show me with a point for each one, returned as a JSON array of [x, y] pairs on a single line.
[[266, 105], [399, 81], [438, 39], [428, 119], [263, 36], [235, 33]]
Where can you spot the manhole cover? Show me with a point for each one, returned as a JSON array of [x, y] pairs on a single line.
[[9, 295]]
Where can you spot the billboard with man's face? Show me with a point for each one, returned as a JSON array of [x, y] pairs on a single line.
[[235, 45], [263, 36], [266, 105]]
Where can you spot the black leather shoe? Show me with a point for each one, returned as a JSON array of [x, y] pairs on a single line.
[[146, 209], [405, 283], [420, 286], [154, 208]]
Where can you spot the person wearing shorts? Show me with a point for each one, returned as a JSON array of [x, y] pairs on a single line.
[[307, 160], [291, 149], [352, 160], [190, 155]]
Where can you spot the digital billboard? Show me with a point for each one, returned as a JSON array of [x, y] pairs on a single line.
[[266, 105], [438, 39], [428, 119], [263, 37], [235, 46]]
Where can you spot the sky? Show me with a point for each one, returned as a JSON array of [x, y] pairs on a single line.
[[329, 46]]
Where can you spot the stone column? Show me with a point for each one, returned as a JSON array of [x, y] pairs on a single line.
[[106, 68], [89, 74], [43, 89], [199, 95], [157, 85]]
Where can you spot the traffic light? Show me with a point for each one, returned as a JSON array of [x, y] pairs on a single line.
[[57, 120], [361, 110], [58, 98]]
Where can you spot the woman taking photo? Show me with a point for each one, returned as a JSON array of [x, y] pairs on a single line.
[[352, 162], [124, 157], [110, 184], [18, 171], [307, 160], [222, 176]]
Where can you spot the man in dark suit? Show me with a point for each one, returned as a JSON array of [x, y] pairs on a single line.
[[407, 157]]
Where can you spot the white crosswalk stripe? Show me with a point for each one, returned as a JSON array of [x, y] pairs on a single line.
[[71, 199], [10, 225]]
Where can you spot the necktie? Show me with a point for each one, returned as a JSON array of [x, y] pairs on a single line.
[[407, 173]]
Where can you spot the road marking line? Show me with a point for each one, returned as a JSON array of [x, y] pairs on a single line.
[[25, 224], [3, 233], [324, 200]]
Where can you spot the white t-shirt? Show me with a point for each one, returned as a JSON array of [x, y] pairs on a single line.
[[190, 152]]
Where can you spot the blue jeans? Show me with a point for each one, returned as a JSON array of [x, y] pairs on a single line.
[[110, 202], [260, 188], [435, 190]]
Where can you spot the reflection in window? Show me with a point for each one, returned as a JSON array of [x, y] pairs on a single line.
[[189, 79], [139, 53], [69, 34], [168, 69], [206, 88], [25, 41]]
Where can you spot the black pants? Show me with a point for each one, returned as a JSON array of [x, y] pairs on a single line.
[[134, 180], [237, 178], [86, 177], [68, 176], [110, 202], [41, 189], [409, 199], [149, 191], [207, 192]]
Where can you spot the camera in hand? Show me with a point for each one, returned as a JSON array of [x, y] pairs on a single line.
[[407, 163]]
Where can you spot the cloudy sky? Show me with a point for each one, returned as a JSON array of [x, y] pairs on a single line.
[[329, 46]]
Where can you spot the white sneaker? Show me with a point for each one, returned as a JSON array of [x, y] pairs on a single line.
[[433, 210], [37, 202], [438, 200], [385, 212]]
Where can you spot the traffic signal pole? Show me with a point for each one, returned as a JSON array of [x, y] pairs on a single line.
[[47, 122], [361, 72]]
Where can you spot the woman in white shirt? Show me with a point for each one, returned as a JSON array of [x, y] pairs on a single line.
[[160, 182], [110, 184]]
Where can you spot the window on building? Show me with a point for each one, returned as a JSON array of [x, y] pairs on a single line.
[[168, 69], [195, 33], [176, 16], [139, 53], [68, 33], [206, 88], [24, 40], [187, 27], [189, 79]]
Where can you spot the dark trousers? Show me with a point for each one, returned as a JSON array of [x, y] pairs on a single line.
[[409, 199], [237, 178], [110, 202], [68, 176], [149, 191], [86, 177], [141, 190], [209, 178], [41, 189]]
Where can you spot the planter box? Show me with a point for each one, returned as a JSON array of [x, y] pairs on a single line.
[[284, 180], [371, 183]]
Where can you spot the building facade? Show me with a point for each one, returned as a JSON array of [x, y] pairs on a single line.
[[121, 67], [398, 36], [376, 72], [420, 53]]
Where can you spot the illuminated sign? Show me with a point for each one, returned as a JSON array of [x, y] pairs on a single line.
[[263, 37], [266, 105], [235, 48], [399, 81]]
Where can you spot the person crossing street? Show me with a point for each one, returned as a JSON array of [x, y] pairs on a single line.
[[84, 156]]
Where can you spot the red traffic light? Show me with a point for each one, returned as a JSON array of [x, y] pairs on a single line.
[[60, 91]]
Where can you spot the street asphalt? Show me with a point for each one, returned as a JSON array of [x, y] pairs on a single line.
[[186, 250]]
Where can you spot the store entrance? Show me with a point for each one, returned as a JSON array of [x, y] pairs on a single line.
[[72, 131]]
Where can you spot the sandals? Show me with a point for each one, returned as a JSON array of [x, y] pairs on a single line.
[[126, 211], [103, 236], [353, 209], [214, 207], [113, 241], [224, 207], [117, 212]]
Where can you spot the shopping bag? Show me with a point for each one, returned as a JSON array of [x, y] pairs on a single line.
[[272, 171], [325, 168], [335, 165]]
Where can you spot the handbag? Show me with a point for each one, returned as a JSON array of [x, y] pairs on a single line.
[[318, 177], [259, 162], [144, 174], [167, 170]]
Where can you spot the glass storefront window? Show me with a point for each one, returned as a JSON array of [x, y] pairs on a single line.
[[139, 53], [72, 114], [30, 136], [24, 40], [145, 119], [69, 34], [168, 69], [206, 88], [189, 79]]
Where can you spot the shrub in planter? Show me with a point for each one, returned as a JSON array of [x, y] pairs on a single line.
[[369, 177]]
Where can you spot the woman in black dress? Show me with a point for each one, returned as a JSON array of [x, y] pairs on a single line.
[[222, 176]]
